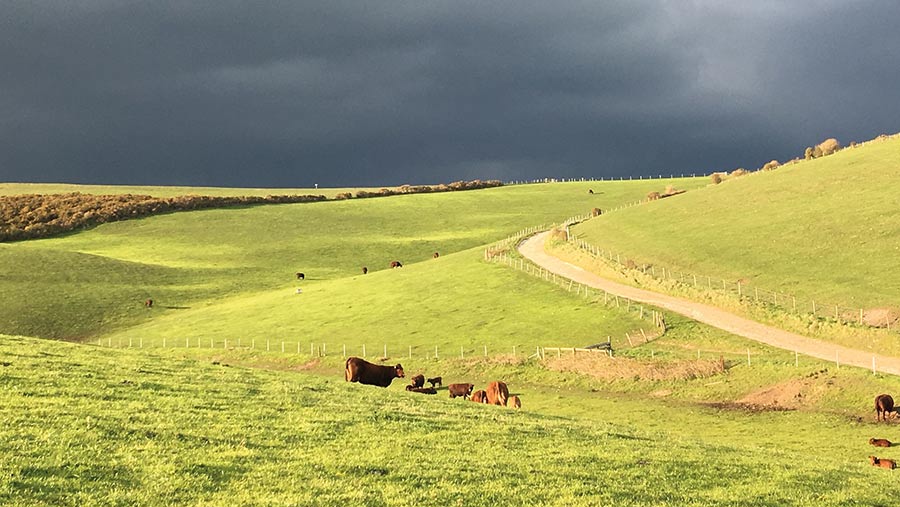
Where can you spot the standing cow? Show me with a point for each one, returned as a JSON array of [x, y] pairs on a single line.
[[497, 393], [396, 264], [884, 404], [301, 276], [463, 390], [365, 270], [479, 396], [364, 372], [417, 381]]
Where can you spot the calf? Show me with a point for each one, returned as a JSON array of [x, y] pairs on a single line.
[[883, 463], [464, 390], [497, 393], [364, 372], [422, 390], [884, 404], [417, 381], [434, 381], [479, 396], [514, 402], [880, 442]]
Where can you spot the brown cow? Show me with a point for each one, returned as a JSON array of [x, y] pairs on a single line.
[[435, 381], [479, 396], [883, 405], [301, 276], [436, 255], [365, 270], [463, 390], [396, 264], [497, 393], [880, 442], [364, 372], [514, 402], [423, 390], [883, 463], [417, 381], [148, 303]]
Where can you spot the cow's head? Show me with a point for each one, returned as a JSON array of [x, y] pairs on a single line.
[[398, 371]]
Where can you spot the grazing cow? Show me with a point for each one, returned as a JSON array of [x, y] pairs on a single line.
[[396, 264], [590, 190], [435, 381], [880, 442], [497, 393], [301, 276], [417, 381], [479, 396], [364, 372], [148, 303], [436, 255], [422, 390], [884, 404], [464, 390], [883, 463], [365, 270], [514, 402]]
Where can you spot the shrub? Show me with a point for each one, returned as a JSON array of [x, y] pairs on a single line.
[[738, 172], [716, 178], [828, 146], [652, 196], [770, 165]]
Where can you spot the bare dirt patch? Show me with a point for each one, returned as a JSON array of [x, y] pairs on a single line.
[[603, 367], [793, 394], [881, 317]]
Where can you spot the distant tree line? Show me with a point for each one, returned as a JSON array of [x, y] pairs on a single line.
[[35, 216]]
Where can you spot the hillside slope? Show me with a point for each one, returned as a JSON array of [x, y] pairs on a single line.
[[826, 229], [94, 282]]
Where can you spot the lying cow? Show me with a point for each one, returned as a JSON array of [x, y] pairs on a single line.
[[364, 372], [880, 442], [883, 463], [497, 393], [479, 396], [514, 402], [417, 381], [464, 390], [396, 264], [423, 390], [435, 381], [884, 404]]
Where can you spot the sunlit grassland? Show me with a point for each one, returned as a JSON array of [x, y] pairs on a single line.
[[824, 229], [89, 426], [94, 282]]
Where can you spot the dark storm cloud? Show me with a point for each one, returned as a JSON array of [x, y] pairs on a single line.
[[378, 93]]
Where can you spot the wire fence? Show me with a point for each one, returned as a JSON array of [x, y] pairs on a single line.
[[745, 293]]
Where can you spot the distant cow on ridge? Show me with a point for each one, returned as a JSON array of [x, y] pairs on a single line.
[[301, 276], [364, 372], [365, 270], [396, 264], [148, 303]]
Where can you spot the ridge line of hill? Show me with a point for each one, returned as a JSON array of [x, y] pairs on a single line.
[[532, 249]]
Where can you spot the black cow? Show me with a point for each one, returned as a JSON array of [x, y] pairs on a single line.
[[301, 276], [435, 381], [365, 270], [396, 264], [364, 372], [421, 390]]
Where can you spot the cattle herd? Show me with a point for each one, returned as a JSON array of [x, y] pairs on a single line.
[[884, 407], [359, 370]]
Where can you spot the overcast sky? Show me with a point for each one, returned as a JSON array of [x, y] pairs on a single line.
[[345, 93]]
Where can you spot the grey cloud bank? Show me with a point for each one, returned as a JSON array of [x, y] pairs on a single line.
[[384, 93]]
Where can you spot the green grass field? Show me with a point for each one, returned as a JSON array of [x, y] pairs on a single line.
[[93, 283], [184, 417], [824, 229], [89, 426]]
